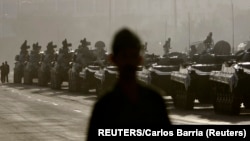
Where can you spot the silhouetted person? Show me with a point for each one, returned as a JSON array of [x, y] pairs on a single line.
[[209, 42], [167, 47], [7, 71], [129, 104], [2, 68], [193, 50]]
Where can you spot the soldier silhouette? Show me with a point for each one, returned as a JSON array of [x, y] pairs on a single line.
[[167, 47], [209, 42], [7, 71], [129, 104], [3, 72]]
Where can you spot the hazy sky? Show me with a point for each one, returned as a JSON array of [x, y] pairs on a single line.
[[153, 20]]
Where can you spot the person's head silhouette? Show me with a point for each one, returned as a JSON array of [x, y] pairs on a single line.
[[126, 53]]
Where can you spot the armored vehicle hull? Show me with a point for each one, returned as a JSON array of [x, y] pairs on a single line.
[[105, 79], [44, 74], [60, 69], [58, 75], [30, 72], [159, 76], [231, 86], [88, 80], [18, 72], [159, 73], [192, 82]]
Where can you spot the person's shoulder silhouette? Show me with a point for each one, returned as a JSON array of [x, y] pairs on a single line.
[[129, 104]]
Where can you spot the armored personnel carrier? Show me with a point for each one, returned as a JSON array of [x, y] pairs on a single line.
[[48, 57], [20, 61], [60, 68], [158, 74], [192, 82], [105, 79], [231, 85], [87, 74], [82, 58], [32, 65]]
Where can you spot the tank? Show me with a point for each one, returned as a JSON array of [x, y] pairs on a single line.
[[48, 57], [20, 61], [32, 65], [231, 85], [87, 74], [82, 58], [88, 80], [105, 79], [192, 81], [158, 74], [60, 68]]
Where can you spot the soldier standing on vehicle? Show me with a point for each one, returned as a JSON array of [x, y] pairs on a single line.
[[24, 53], [7, 70], [84, 55], [84, 49], [193, 51], [209, 42], [2, 68], [65, 52], [100, 53], [167, 47], [50, 53]]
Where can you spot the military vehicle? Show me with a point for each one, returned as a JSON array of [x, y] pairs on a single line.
[[158, 74], [158, 71], [105, 79], [88, 80], [32, 65], [20, 61], [231, 85], [48, 57], [87, 74], [192, 82], [243, 46], [60, 68], [82, 58]]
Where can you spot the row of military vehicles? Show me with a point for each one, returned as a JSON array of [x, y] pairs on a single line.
[[52, 67], [211, 75]]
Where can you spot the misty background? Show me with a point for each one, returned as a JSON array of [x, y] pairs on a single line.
[[184, 21]]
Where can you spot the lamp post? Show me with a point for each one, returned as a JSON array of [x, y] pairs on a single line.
[[189, 31], [232, 6]]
